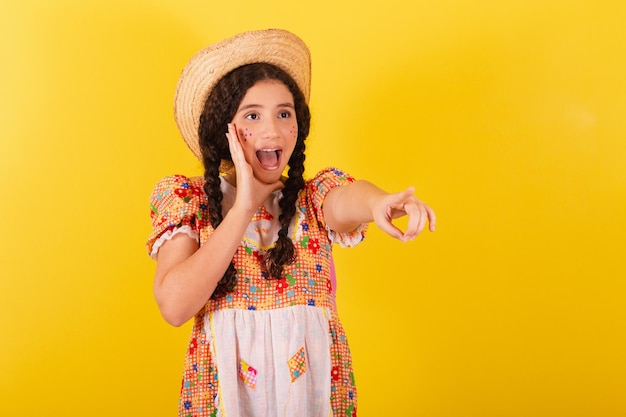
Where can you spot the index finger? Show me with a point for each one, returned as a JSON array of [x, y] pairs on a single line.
[[432, 219], [417, 219], [419, 213]]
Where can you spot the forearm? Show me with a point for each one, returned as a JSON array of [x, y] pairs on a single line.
[[187, 276], [348, 206]]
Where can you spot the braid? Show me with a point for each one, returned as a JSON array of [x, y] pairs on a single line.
[[211, 160], [284, 251]]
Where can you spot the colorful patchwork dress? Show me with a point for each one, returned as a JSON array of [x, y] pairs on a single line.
[[272, 347]]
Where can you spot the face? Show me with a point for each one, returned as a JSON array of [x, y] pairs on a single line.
[[267, 127]]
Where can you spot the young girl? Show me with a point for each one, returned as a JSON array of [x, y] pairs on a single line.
[[246, 251]]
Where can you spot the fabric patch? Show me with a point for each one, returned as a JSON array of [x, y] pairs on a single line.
[[297, 364], [262, 214], [247, 374]]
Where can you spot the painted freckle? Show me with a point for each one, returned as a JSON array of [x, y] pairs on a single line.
[[246, 134]]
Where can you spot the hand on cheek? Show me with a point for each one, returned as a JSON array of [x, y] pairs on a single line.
[[250, 191]]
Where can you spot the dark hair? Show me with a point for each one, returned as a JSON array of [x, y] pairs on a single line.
[[219, 109]]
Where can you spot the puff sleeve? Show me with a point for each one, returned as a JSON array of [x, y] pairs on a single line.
[[317, 190], [175, 207]]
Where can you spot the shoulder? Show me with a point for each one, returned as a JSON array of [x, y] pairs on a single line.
[[177, 204], [176, 196], [317, 188], [332, 173], [327, 179], [180, 185]]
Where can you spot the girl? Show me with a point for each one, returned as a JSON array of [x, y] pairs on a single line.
[[246, 251]]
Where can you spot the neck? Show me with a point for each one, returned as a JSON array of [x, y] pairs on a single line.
[[231, 178]]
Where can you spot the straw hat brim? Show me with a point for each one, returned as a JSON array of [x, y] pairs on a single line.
[[209, 65]]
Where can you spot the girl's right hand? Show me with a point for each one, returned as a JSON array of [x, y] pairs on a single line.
[[251, 192]]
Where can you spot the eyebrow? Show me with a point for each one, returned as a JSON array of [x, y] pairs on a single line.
[[251, 106]]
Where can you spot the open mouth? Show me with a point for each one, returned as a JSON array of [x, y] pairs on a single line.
[[269, 158]]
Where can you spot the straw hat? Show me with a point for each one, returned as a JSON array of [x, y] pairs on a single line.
[[209, 65]]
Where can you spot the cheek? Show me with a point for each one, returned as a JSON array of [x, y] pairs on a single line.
[[245, 134], [293, 131]]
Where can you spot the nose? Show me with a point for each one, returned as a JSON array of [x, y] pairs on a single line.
[[270, 128]]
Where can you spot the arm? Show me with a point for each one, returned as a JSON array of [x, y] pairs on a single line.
[[186, 275], [362, 202]]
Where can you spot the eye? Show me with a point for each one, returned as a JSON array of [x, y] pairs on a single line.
[[252, 116], [284, 114]]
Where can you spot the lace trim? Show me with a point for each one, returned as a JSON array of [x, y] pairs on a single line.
[[169, 234], [348, 239]]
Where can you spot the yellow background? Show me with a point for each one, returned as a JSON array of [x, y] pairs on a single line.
[[507, 116]]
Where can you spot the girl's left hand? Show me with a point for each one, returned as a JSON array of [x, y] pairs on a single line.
[[392, 206]]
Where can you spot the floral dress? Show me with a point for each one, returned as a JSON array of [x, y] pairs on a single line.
[[271, 347]]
